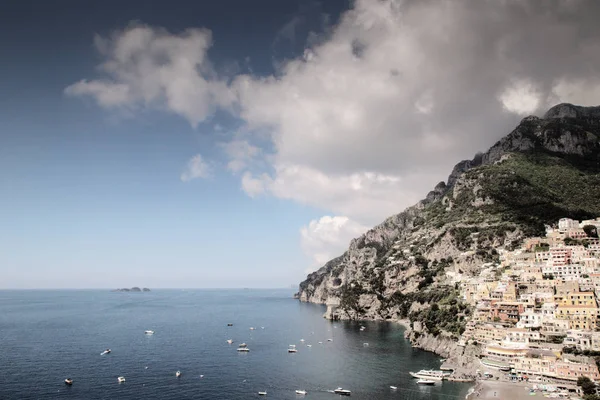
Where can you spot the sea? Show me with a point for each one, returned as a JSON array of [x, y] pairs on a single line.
[[47, 336]]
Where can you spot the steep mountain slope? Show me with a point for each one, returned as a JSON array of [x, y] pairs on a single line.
[[545, 169]]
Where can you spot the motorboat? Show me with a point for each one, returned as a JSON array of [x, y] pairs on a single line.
[[292, 346], [320, 342], [229, 341], [149, 332], [302, 340], [121, 379], [393, 387], [68, 381], [229, 324], [365, 344], [292, 350], [428, 375], [309, 345], [178, 374], [302, 392], [243, 345], [201, 376], [243, 349], [342, 392], [262, 393], [105, 352], [427, 382], [252, 328], [362, 328], [330, 340]]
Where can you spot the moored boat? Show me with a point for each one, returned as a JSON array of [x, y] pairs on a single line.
[[178, 374], [68, 381], [302, 392], [229, 341], [427, 382], [107, 351], [149, 332], [121, 379], [262, 393], [428, 374], [243, 349]]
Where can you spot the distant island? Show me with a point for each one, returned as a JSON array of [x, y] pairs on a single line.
[[133, 289]]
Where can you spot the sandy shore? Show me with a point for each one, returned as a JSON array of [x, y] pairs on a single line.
[[496, 390]]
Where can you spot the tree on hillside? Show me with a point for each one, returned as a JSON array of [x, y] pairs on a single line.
[[587, 386], [591, 231]]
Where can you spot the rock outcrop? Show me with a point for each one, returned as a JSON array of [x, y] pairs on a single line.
[[410, 266]]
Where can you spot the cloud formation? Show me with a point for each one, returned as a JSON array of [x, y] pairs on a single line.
[[195, 168], [328, 237], [378, 111], [150, 67]]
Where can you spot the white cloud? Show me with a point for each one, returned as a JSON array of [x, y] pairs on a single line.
[[240, 153], [195, 168], [151, 67], [521, 98], [378, 111], [328, 237]]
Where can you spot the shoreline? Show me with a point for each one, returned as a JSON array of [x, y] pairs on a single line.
[[496, 390]]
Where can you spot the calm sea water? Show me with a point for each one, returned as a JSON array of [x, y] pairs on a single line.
[[46, 336]]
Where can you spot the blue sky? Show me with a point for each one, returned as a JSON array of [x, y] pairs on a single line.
[[243, 144]]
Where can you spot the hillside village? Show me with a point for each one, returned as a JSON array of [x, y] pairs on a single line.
[[535, 313]]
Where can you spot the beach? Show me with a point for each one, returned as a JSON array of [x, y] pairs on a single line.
[[502, 390]]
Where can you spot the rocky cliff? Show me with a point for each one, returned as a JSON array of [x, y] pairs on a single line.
[[409, 266]]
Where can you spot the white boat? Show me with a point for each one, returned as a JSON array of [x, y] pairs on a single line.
[[262, 393], [393, 387], [243, 345], [428, 374], [320, 342], [342, 392], [178, 374], [149, 332], [302, 392], [68, 381], [427, 382], [243, 349], [330, 340], [292, 350], [121, 379], [252, 328], [105, 352], [229, 341], [365, 344], [309, 345], [201, 376], [302, 340], [292, 346], [362, 328]]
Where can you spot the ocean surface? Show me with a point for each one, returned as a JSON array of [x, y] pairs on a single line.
[[47, 336]]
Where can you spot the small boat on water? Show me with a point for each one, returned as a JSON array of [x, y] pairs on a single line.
[[149, 332], [178, 374], [302, 340], [302, 392], [342, 392], [121, 379], [393, 387], [243, 345], [292, 346], [427, 382], [105, 352], [229, 341], [365, 344], [243, 349], [309, 345], [330, 340], [262, 393], [229, 324], [252, 328], [292, 350], [429, 375], [362, 328], [68, 381]]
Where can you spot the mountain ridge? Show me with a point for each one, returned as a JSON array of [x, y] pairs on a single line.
[[544, 169]]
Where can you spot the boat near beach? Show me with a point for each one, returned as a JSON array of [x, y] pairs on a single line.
[[429, 374]]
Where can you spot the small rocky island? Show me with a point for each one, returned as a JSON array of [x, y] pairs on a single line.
[[133, 289]]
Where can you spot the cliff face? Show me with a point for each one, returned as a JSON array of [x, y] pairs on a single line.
[[408, 266]]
